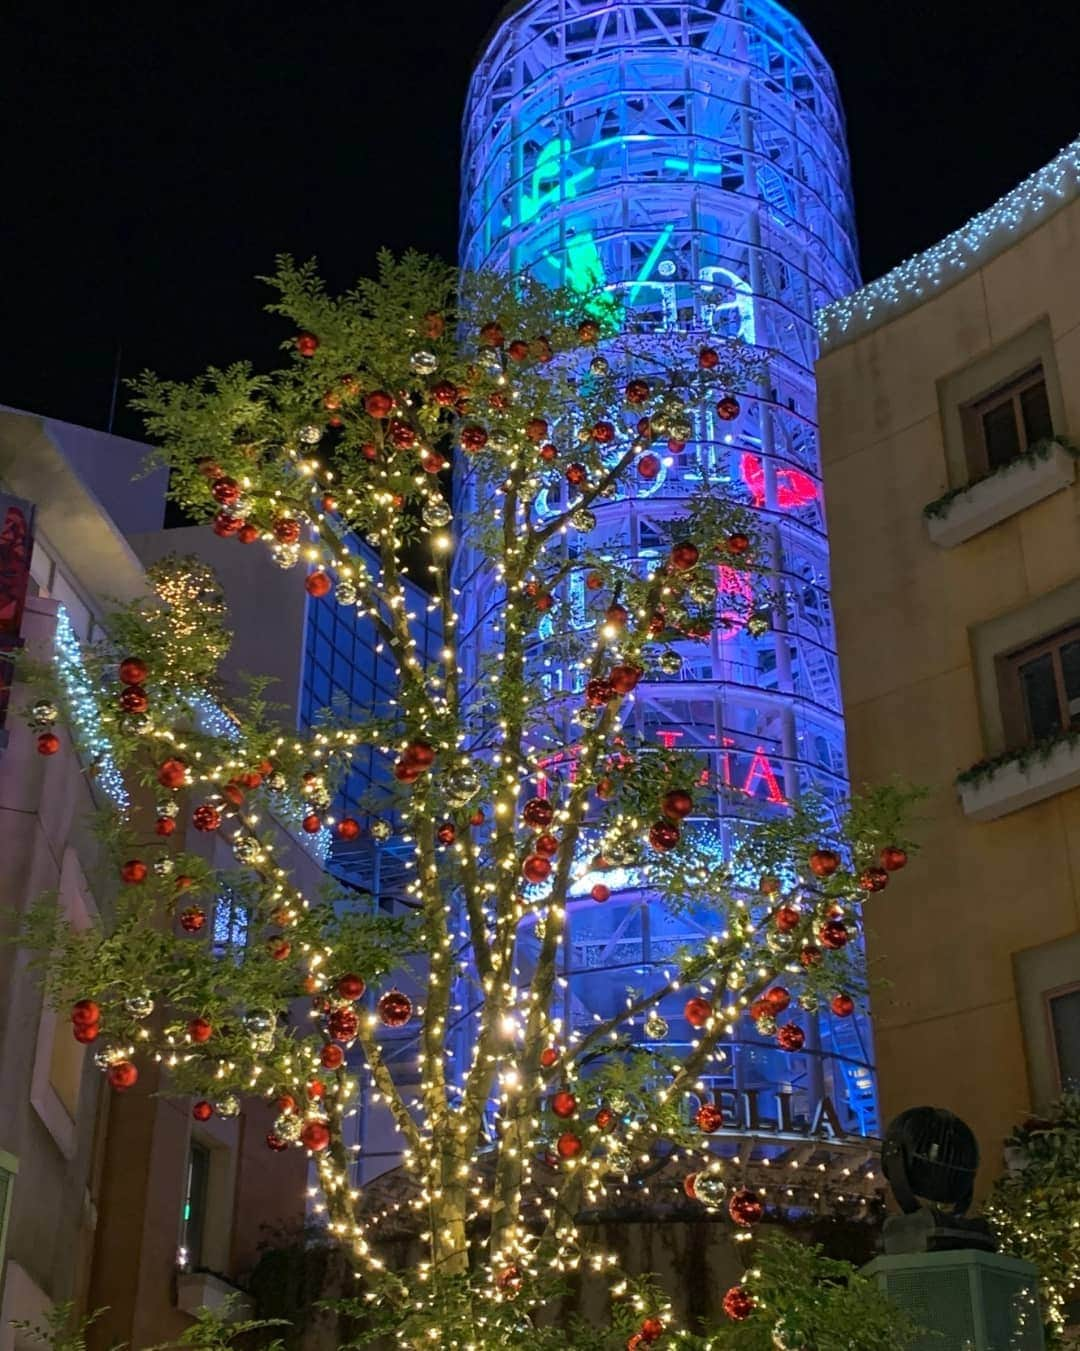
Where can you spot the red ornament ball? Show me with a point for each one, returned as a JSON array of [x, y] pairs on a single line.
[[791, 1037], [85, 1013], [518, 350], [548, 452], [833, 934], [286, 530], [134, 871], [406, 773], [225, 490], [133, 671], [343, 1024], [588, 331], [842, 1005], [275, 1142], [564, 1104], [311, 823], [378, 403], [202, 1111], [824, 862], [893, 857], [648, 466], [394, 1008], [172, 774], [684, 556], [745, 1207], [787, 918], [738, 543], [728, 408], [664, 835], [279, 948], [637, 391], [192, 919], [133, 699], [568, 1146], [402, 436], [538, 812], [307, 344], [536, 868], [760, 1009], [226, 525], [315, 1135], [445, 393], [351, 986], [600, 892], [200, 1031], [122, 1074], [536, 429], [810, 955], [205, 817], [778, 999], [873, 879], [576, 474], [652, 1329], [87, 1033], [549, 1056], [432, 462], [605, 1119], [318, 584], [546, 846], [678, 804], [420, 754], [616, 616], [708, 358], [446, 833], [48, 743], [709, 1117], [624, 678], [491, 335], [603, 433], [434, 324], [738, 1303], [473, 438], [598, 692], [331, 1057], [697, 1011], [688, 1185], [348, 828]]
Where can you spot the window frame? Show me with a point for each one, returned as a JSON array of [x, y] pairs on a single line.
[[1013, 706], [1073, 987], [1008, 392]]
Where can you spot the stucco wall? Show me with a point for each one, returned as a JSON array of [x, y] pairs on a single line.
[[948, 1031]]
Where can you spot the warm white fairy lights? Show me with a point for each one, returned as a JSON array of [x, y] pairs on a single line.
[[973, 245]]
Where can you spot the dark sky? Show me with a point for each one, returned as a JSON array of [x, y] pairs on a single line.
[[157, 155]]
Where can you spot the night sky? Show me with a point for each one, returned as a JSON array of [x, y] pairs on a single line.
[[158, 155]]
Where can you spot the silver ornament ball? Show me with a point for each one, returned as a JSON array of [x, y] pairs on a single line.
[[656, 1027], [381, 831], [228, 1106], [163, 867], [583, 519], [437, 513], [424, 362], [310, 435], [139, 1005], [288, 1126], [45, 713]]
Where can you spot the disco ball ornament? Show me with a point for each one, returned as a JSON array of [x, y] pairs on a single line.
[[394, 1008], [381, 831], [259, 1024], [710, 1190], [490, 362], [437, 513], [108, 1055], [587, 717], [619, 1159], [139, 723], [757, 624], [169, 808], [228, 1106], [670, 663], [779, 942], [619, 1103], [460, 785], [498, 439], [139, 1005], [345, 593], [809, 1001], [702, 591], [276, 782], [45, 713], [309, 435], [599, 366], [680, 429], [656, 1027], [286, 555], [583, 520], [424, 362], [245, 849], [766, 1024], [288, 1126], [163, 867]]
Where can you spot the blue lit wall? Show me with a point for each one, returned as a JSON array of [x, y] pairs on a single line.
[[691, 157]]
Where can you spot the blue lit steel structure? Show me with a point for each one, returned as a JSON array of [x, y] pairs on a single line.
[[690, 158]]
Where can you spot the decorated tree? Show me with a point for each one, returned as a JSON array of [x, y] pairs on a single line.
[[518, 392]]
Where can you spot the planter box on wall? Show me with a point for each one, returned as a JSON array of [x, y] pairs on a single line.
[[1002, 495], [1012, 787], [197, 1290]]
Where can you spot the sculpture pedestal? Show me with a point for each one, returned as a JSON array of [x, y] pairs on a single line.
[[964, 1300]]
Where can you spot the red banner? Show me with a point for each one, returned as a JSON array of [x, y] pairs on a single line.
[[16, 546]]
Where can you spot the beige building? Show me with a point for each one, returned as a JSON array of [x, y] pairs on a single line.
[[109, 1201], [949, 391]]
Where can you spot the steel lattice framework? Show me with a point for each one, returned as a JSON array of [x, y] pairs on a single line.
[[690, 157]]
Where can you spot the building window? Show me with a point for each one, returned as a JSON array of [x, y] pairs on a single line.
[[8, 1168], [196, 1192], [1063, 1015], [1007, 422], [1040, 688]]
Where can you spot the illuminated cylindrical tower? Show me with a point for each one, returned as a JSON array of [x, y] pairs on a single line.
[[690, 157]]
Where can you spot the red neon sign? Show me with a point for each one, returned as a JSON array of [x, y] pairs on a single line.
[[760, 771], [793, 487]]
